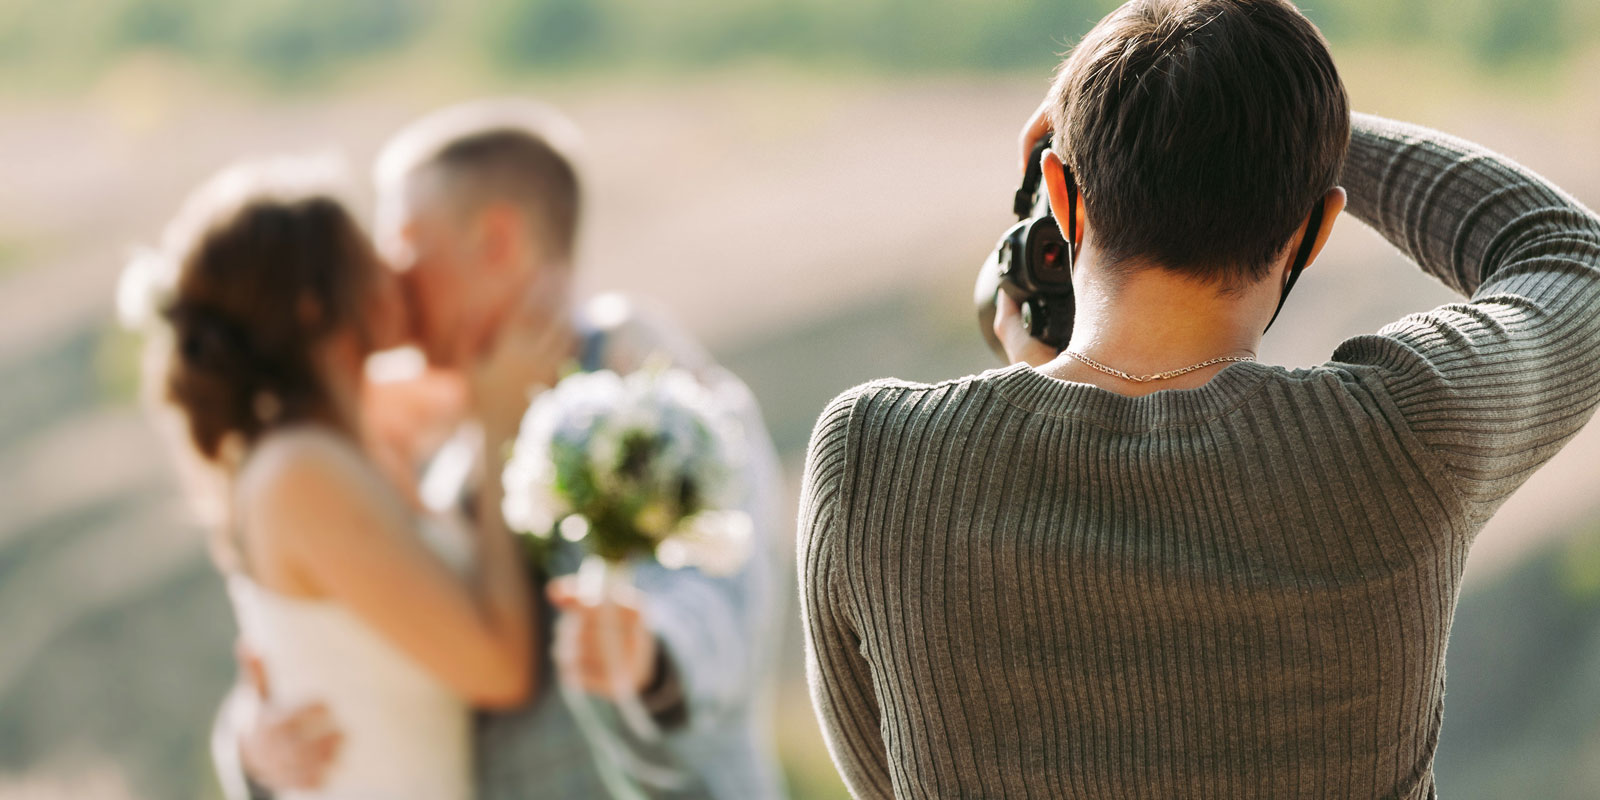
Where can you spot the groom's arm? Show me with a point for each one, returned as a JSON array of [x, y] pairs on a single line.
[[714, 632], [259, 749]]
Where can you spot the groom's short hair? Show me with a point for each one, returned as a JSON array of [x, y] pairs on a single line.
[[1201, 133], [495, 150]]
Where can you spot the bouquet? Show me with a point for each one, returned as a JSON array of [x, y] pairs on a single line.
[[636, 466]]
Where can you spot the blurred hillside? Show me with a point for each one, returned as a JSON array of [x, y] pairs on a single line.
[[808, 184], [1523, 695]]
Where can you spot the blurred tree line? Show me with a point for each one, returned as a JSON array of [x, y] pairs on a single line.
[[292, 41]]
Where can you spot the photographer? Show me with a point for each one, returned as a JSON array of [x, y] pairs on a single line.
[[1145, 565]]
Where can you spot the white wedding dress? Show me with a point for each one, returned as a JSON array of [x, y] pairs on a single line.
[[407, 736]]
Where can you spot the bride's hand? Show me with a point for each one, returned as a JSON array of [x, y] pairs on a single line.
[[406, 420], [526, 356]]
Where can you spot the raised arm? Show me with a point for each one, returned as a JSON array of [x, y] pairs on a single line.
[[839, 676], [349, 535], [1497, 385]]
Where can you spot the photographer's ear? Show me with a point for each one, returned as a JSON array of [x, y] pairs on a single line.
[[1064, 196], [1333, 205]]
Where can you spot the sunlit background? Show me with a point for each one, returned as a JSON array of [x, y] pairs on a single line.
[[809, 185]]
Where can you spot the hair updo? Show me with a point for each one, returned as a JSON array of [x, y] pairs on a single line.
[[263, 269]]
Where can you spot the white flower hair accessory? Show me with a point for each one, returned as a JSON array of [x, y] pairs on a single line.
[[145, 287]]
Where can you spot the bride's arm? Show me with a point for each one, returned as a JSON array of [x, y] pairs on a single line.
[[343, 530]]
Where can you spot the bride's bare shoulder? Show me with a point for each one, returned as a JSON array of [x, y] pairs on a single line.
[[302, 459]]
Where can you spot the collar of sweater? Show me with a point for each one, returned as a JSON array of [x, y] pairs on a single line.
[[1027, 388]]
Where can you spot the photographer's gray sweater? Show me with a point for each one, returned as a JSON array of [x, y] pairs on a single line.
[[1019, 587]]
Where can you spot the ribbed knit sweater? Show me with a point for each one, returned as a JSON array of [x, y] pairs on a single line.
[[1015, 586]]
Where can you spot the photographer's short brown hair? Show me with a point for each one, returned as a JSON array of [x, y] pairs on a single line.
[[1201, 133]]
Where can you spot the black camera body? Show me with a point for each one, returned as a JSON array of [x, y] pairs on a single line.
[[1032, 264]]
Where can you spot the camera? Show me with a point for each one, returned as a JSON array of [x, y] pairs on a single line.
[[1032, 263]]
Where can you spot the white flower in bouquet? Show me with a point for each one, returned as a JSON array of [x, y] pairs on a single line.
[[646, 462], [537, 507], [717, 542]]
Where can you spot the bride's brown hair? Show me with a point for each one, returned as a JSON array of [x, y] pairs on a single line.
[[263, 274]]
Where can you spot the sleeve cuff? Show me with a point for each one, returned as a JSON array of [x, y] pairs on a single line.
[[664, 697]]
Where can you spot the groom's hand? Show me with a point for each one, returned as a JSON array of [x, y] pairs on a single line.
[[284, 749], [291, 749], [596, 645]]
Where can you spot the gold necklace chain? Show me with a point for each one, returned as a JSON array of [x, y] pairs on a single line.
[[1159, 376]]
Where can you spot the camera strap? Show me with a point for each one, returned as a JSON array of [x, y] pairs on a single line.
[[1072, 209], [1302, 258], [1032, 176]]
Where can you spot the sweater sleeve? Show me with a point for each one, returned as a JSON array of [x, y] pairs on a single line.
[[839, 676], [1494, 386]]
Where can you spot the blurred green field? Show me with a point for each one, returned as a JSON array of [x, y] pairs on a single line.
[[809, 184]]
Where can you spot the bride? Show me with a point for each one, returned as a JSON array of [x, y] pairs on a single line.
[[345, 591]]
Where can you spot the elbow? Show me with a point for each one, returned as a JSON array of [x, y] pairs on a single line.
[[506, 682], [504, 695]]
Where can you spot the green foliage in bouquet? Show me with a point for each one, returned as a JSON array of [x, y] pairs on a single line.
[[632, 520], [634, 466]]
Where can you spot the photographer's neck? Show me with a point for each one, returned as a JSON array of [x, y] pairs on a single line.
[[1151, 321]]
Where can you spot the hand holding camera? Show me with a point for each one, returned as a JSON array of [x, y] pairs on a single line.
[[1031, 266]]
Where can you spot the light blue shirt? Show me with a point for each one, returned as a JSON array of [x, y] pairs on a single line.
[[721, 633]]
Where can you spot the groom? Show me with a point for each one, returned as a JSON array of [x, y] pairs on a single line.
[[479, 206]]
